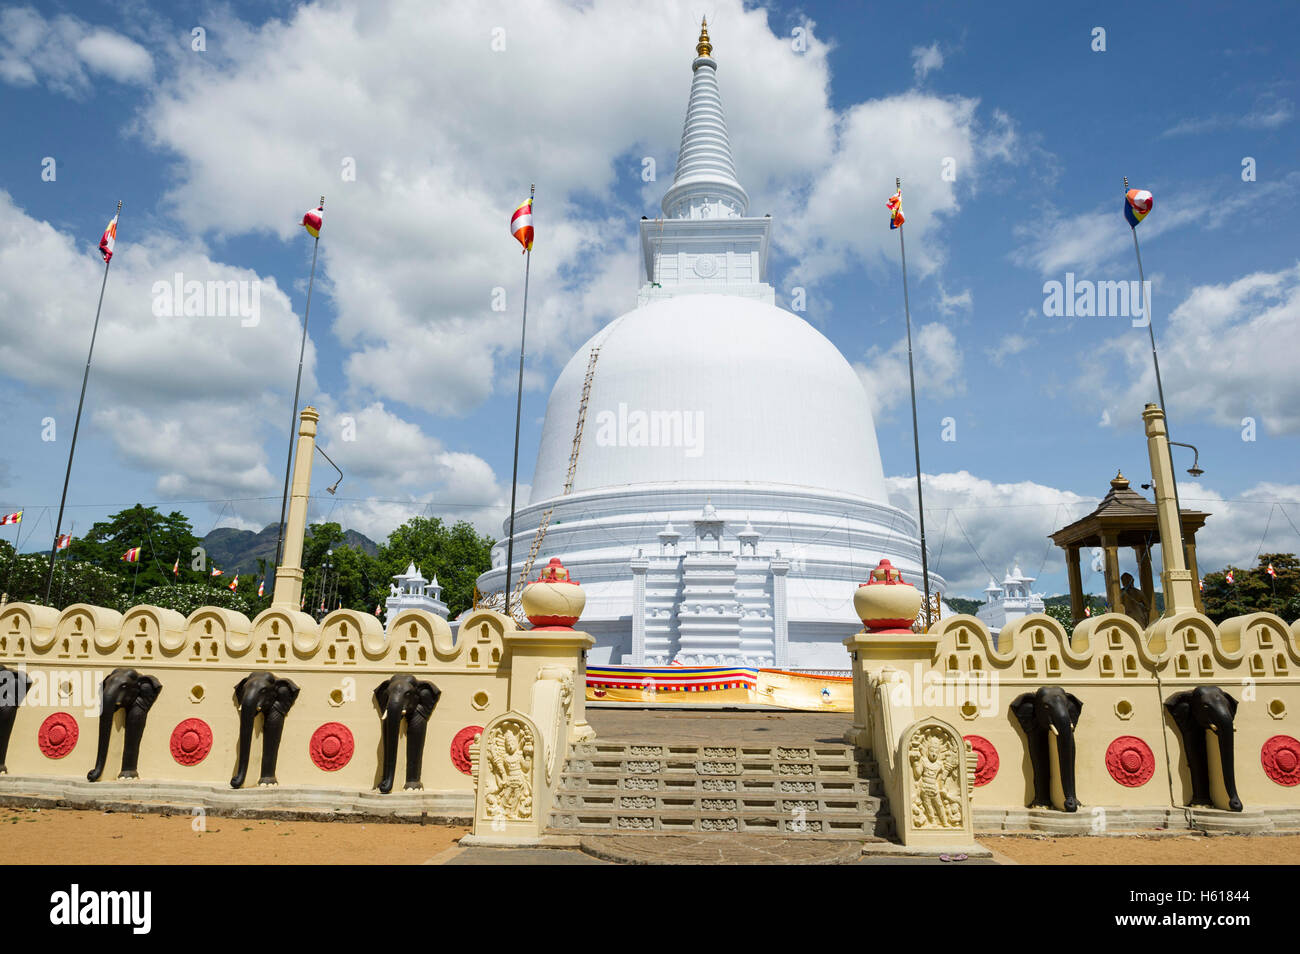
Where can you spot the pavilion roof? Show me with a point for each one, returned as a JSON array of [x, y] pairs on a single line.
[[1128, 516]]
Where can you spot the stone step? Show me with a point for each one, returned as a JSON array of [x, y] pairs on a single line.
[[856, 825], [716, 801], [605, 749], [824, 786]]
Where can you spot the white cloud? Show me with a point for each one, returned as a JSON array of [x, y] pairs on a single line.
[[884, 372], [66, 53], [1269, 112], [949, 304], [1226, 353], [975, 527], [926, 59], [1009, 345]]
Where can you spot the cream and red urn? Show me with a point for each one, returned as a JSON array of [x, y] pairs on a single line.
[[885, 602], [553, 599]]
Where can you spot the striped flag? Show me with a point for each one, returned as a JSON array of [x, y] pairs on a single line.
[[234, 584], [176, 567], [261, 586], [376, 609], [1137, 204], [895, 207], [1202, 584], [131, 556], [109, 240], [15, 517], [1229, 577], [216, 572], [63, 542], [1087, 611], [1271, 572], [313, 219], [521, 224]]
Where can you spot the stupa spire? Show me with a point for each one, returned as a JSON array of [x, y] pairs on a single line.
[[705, 184]]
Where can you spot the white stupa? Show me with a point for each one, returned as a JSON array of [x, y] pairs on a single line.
[[728, 494]]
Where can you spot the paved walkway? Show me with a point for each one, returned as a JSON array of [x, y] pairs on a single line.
[[680, 727]]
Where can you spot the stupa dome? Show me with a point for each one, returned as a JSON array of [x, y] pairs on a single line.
[[703, 388]]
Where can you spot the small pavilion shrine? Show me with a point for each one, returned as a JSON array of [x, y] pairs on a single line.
[[1124, 518]]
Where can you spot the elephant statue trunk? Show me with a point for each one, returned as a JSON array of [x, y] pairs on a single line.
[[1048, 717], [1196, 712], [13, 690], [406, 697], [261, 693], [124, 689]]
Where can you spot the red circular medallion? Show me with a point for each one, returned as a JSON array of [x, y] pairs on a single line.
[[460, 747], [986, 759], [1130, 762], [57, 735], [1281, 758], [331, 746], [191, 741]]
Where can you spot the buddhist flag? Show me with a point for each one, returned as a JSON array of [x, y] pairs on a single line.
[[521, 224], [1271, 572], [313, 219], [109, 240], [1229, 577], [63, 542], [895, 206], [234, 584], [1202, 584], [1087, 611], [131, 556], [1137, 203], [15, 517], [261, 586], [376, 609], [176, 567], [216, 572]]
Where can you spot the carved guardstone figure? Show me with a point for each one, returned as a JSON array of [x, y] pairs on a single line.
[[124, 689], [262, 693], [398, 697], [1050, 712], [1207, 708]]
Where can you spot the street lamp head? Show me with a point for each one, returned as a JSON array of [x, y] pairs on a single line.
[[1195, 471]]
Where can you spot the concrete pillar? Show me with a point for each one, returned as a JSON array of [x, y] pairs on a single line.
[[288, 575], [639, 567], [1143, 555], [1076, 584], [1114, 596], [780, 613], [1180, 592]]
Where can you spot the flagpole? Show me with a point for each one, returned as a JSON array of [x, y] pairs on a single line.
[[58, 524], [1155, 360], [519, 404], [293, 411], [916, 439], [139, 553]]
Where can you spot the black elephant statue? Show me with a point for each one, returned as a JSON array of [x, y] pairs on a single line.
[[124, 689], [1207, 708], [1050, 712], [13, 690], [398, 697], [262, 693]]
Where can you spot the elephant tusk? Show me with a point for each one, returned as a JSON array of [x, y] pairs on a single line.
[[1055, 730], [1214, 729]]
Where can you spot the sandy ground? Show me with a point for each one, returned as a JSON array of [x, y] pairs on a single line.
[[1156, 849], [65, 837]]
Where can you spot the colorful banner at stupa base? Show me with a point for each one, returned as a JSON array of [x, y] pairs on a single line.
[[719, 685]]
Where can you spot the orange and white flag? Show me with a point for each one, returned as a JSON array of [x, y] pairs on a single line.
[[109, 240], [521, 224], [313, 219]]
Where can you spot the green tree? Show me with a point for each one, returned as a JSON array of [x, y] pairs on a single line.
[[185, 598], [24, 576], [1253, 590], [163, 540], [336, 574], [456, 555]]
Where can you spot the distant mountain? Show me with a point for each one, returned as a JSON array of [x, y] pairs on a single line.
[[237, 551]]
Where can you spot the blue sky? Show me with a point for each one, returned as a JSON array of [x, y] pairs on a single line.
[[447, 114]]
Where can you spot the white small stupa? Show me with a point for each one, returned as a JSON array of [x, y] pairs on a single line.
[[410, 590], [1009, 600]]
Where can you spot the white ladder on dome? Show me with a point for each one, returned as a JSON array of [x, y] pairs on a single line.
[[516, 607]]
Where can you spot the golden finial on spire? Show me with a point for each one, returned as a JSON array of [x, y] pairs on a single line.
[[704, 47]]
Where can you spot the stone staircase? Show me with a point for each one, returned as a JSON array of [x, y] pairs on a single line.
[[816, 790]]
